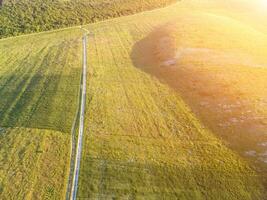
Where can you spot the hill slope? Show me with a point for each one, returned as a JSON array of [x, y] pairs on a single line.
[[142, 140], [218, 65], [34, 163], [39, 83]]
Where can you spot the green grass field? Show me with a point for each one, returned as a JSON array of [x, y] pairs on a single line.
[[144, 139], [39, 83], [219, 72], [40, 80], [34, 163]]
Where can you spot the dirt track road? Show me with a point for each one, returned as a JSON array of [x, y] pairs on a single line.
[[74, 188]]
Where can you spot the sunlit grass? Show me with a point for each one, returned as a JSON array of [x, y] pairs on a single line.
[[218, 64], [34, 164], [142, 141], [39, 80], [39, 83]]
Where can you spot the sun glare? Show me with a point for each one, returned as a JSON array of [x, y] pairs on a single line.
[[263, 3], [260, 6]]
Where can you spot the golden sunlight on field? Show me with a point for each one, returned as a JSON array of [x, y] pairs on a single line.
[[263, 2], [169, 103], [216, 58]]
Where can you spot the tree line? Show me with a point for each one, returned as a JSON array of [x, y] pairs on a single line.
[[28, 16]]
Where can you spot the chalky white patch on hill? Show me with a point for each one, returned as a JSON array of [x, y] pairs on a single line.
[[212, 56]]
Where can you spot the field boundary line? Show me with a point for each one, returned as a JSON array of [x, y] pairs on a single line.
[[83, 25], [40, 33], [73, 141], [76, 170]]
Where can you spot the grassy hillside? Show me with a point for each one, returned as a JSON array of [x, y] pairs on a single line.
[[27, 16], [39, 82], [142, 141], [218, 65], [39, 78], [34, 163]]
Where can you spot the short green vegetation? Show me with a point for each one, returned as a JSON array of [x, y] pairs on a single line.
[[39, 80], [142, 141], [39, 83], [27, 16], [34, 163]]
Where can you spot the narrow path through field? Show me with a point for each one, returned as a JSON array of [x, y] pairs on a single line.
[[81, 124]]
